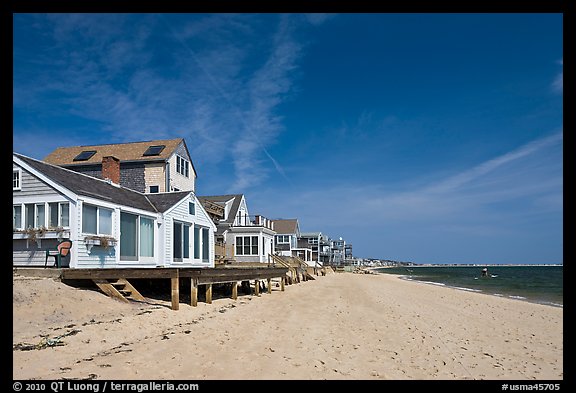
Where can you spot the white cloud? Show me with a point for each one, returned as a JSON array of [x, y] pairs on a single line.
[[215, 79], [558, 84]]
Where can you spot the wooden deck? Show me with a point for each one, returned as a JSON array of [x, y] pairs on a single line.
[[108, 279]]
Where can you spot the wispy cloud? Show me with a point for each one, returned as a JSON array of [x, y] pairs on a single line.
[[457, 181], [217, 80], [500, 197], [558, 84]]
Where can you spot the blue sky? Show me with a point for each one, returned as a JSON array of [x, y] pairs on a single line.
[[424, 137]]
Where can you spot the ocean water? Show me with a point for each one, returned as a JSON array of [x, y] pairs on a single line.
[[540, 284]]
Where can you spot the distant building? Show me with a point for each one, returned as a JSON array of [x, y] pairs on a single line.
[[239, 236], [287, 234]]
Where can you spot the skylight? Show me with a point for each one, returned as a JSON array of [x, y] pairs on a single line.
[[154, 150], [85, 155]]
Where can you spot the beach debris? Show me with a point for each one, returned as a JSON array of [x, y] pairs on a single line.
[[45, 342]]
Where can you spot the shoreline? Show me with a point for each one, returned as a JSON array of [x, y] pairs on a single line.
[[504, 291], [340, 326], [511, 297]]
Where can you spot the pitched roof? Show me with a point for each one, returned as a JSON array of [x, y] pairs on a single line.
[[133, 151], [165, 200], [85, 185], [222, 200], [286, 226], [310, 234]]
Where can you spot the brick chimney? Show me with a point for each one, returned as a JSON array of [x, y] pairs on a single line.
[[111, 169]]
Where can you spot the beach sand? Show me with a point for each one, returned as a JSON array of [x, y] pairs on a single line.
[[341, 326]]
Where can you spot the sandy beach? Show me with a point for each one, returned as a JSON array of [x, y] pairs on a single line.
[[341, 326]]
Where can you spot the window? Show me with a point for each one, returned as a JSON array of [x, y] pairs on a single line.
[[154, 189], [181, 241], [85, 155], [182, 166], [196, 242], [283, 239], [16, 175], [29, 210], [96, 220], [35, 215], [313, 240], [17, 217], [191, 208], [128, 237], [40, 215], [58, 214], [146, 237], [246, 245], [205, 245], [136, 237], [154, 150], [65, 214]]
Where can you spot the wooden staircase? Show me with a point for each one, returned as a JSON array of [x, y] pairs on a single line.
[[119, 289]]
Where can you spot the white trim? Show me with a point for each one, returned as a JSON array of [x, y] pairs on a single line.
[[19, 186], [62, 190]]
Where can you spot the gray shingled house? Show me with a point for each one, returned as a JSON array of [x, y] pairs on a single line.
[[151, 166], [110, 225]]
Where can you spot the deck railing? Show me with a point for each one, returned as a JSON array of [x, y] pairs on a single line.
[[250, 221]]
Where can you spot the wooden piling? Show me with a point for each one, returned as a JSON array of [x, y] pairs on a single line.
[[175, 283], [282, 279], [194, 292], [209, 293], [235, 290], [269, 280], [257, 288]]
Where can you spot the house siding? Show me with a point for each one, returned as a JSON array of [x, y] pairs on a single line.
[[131, 174], [33, 190], [180, 214], [176, 179], [95, 256], [31, 185], [32, 254], [155, 175]]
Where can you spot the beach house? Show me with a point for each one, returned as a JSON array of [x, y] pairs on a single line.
[[110, 225], [148, 167], [286, 240], [309, 247], [240, 237]]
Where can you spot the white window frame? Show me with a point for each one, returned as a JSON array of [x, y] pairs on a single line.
[[59, 224], [18, 226], [191, 239], [139, 257], [278, 241], [98, 233], [251, 245], [182, 166], [18, 179]]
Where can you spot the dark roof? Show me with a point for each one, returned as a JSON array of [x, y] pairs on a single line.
[[222, 199], [164, 201], [85, 185]]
